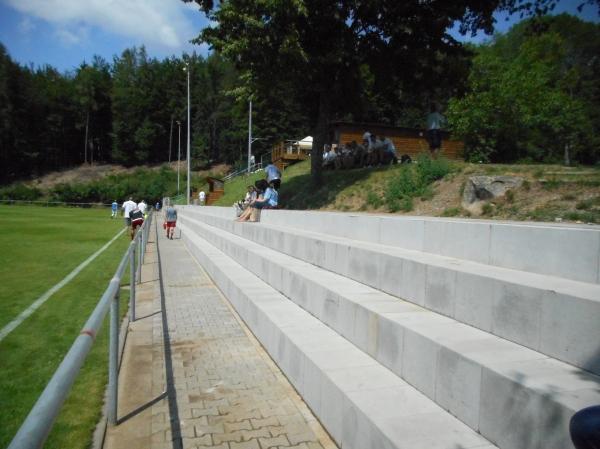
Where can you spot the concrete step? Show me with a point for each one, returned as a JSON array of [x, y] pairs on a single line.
[[362, 404], [555, 316], [490, 384]]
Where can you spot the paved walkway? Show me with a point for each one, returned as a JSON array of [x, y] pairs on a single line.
[[207, 382]]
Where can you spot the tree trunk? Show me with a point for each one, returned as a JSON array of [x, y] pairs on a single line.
[[320, 138], [85, 148], [170, 139]]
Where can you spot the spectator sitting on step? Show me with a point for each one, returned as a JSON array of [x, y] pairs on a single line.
[[242, 205], [260, 187], [269, 200]]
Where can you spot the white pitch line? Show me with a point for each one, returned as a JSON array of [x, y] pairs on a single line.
[[42, 299]]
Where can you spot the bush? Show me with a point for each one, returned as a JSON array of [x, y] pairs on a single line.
[[414, 181], [20, 192]]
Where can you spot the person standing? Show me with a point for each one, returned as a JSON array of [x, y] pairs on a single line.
[[171, 219], [128, 206], [143, 206], [202, 197], [435, 123], [115, 207], [273, 175], [157, 206]]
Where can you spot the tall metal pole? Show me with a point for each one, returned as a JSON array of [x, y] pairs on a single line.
[[188, 135], [178, 155], [249, 134]]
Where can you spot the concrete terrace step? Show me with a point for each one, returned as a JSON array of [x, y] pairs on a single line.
[[362, 404], [556, 316], [491, 384]]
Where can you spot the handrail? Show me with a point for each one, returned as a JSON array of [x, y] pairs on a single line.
[[35, 429], [235, 174]]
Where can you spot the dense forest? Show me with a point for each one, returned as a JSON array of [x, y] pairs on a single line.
[[532, 94]]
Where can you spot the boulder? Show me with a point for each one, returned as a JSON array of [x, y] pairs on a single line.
[[480, 189]]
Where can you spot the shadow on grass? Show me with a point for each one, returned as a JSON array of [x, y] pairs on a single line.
[[298, 192]]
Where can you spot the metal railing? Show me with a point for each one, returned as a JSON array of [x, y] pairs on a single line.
[[35, 429], [235, 174]]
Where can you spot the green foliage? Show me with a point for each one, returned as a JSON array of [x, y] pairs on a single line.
[[487, 209], [451, 212], [414, 180], [20, 192], [150, 185], [374, 200], [533, 95], [510, 196]]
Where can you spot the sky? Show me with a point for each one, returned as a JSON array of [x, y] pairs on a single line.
[[65, 33]]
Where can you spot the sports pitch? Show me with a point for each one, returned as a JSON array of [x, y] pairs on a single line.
[[38, 247]]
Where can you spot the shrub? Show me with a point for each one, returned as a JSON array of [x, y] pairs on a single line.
[[414, 181], [451, 212], [20, 192]]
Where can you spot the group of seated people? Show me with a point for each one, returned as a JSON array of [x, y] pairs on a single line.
[[262, 195], [374, 151]]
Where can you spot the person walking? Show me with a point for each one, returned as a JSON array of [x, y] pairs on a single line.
[[128, 206], [171, 221], [273, 175], [115, 207], [136, 216]]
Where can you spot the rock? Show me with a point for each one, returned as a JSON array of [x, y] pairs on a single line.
[[480, 189]]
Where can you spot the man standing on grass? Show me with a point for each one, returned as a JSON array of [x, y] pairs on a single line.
[[273, 175], [128, 206], [114, 206], [171, 219]]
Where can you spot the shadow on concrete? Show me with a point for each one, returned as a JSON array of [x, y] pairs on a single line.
[[141, 408], [171, 391], [148, 316]]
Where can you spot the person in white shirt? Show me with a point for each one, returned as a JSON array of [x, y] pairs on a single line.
[[127, 207], [202, 197], [142, 206]]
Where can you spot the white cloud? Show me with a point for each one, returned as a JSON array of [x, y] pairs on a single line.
[[26, 25], [160, 23]]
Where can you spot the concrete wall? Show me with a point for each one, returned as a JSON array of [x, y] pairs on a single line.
[[569, 251]]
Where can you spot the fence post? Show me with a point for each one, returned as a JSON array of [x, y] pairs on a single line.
[[139, 244], [132, 282], [113, 360]]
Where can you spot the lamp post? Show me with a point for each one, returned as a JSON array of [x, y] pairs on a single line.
[[178, 154], [249, 134], [187, 70]]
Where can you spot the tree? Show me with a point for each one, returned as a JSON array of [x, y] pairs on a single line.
[[534, 94], [333, 50]]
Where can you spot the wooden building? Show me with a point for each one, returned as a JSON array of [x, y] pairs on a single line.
[[409, 141], [406, 140]]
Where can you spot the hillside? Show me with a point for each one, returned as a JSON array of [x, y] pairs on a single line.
[[548, 192]]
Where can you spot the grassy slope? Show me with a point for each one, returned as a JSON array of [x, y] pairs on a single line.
[[551, 191], [31, 353]]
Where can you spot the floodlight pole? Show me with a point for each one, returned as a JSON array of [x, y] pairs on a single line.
[[188, 133], [249, 134], [178, 155]]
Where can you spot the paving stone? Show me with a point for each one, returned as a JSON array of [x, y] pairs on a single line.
[[229, 393], [245, 445], [266, 443]]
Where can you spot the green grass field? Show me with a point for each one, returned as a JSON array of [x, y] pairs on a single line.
[[40, 246]]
